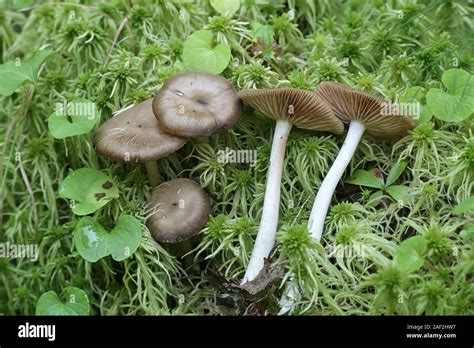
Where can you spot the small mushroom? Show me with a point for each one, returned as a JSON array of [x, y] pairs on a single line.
[[196, 104], [180, 210], [363, 112], [134, 135], [288, 107]]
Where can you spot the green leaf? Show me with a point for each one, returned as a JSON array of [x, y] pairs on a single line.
[[89, 189], [125, 238], [19, 4], [76, 118], [395, 172], [77, 303], [226, 7], [375, 198], [14, 73], [457, 103], [418, 94], [199, 55], [468, 232], [263, 31], [413, 94], [399, 193], [464, 206], [366, 178], [93, 242], [91, 239], [409, 254]]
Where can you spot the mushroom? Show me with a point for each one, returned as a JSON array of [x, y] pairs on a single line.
[[180, 210], [288, 107], [134, 135], [364, 112], [196, 104]]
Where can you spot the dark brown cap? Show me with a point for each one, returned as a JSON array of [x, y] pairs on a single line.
[[196, 104], [351, 104], [302, 108], [180, 210], [134, 135]]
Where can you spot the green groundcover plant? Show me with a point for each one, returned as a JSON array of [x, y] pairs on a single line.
[[399, 234]]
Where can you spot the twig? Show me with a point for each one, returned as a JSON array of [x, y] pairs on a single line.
[[117, 34], [30, 191]]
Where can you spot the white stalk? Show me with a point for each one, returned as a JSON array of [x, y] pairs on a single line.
[[322, 201], [326, 190], [271, 203]]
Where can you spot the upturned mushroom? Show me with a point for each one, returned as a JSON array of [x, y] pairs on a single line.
[[363, 112], [180, 208], [196, 104], [134, 135], [288, 107]]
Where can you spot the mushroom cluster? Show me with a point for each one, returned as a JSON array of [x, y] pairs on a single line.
[[325, 110], [199, 104], [188, 105]]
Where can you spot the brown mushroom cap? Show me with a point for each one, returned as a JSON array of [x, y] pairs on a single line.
[[196, 104], [302, 108], [351, 104], [181, 208], [134, 135]]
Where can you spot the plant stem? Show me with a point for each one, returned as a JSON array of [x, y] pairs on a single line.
[[326, 190], [271, 204], [153, 173]]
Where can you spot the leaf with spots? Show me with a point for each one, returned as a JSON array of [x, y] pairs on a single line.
[[89, 189]]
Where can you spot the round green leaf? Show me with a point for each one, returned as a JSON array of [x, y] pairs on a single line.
[[125, 238], [93, 242], [457, 103], [14, 73], [76, 118], [89, 189], [77, 303], [199, 55], [226, 7], [409, 254]]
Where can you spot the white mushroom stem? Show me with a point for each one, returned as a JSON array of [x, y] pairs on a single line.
[[326, 190], [153, 173], [271, 204], [322, 201]]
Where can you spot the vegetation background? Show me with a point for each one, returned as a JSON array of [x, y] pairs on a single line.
[[118, 53]]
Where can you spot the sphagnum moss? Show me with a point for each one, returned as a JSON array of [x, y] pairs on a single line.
[[114, 55]]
